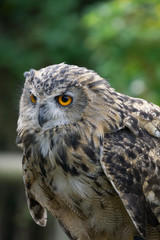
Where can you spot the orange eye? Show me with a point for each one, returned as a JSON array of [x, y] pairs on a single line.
[[33, 98], [64, 100]]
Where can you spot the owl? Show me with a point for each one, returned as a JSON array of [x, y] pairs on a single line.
[[91, 155]]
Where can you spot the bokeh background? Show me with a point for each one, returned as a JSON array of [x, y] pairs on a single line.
[[119, 39]]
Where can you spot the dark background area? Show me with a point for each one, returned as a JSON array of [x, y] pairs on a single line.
[[119, 39]]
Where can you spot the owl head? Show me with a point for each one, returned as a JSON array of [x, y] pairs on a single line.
[[60, 94], [63, 95]]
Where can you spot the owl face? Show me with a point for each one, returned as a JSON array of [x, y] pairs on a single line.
[[60, 107], [57, 95]]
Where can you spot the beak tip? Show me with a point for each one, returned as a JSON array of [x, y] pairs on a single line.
[[40, 120]]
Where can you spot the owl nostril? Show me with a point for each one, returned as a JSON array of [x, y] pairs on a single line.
[[42, 115]]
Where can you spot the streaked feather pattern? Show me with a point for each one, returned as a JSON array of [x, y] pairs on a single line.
[[95, 164]]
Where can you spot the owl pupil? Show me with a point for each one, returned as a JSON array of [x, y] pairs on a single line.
[[65, 98], [34, 97]]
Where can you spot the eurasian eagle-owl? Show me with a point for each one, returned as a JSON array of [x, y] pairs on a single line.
[[91, 155]]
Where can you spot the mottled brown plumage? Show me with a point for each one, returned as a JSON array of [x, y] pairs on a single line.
[[91, 155]]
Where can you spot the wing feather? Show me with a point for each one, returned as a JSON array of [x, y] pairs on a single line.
[[128, 164], [37, 211]]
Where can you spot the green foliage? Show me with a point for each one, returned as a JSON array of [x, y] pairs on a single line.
[[39, 33], [124, 37]]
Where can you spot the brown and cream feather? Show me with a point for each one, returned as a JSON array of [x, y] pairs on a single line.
[[93, 164]]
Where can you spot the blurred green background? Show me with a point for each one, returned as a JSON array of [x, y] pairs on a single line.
[[119, 39]]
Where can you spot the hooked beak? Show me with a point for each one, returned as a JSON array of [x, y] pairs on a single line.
[[42, 115]]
